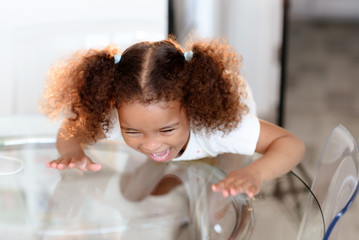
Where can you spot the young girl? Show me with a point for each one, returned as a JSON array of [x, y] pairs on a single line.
[[171, 104]]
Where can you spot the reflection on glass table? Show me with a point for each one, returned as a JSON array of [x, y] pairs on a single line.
[[135, 198]]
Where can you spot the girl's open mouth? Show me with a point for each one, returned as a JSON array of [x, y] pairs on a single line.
[[161, 156]]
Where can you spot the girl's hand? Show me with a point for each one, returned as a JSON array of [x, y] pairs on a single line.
[[74, 160], [240, 181]]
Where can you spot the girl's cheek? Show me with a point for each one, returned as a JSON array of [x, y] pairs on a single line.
[[129, 142]]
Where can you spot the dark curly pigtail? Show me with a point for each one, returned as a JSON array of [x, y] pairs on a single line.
[[214, 82], [79, 89]]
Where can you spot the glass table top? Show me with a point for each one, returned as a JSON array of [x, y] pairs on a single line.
[[133, 197]]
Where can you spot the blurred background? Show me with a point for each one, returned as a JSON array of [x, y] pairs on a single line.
[[300, 57]]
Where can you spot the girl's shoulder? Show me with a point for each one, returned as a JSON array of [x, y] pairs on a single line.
[[241, 140]]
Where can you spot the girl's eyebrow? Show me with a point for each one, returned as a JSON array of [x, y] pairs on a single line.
[[171, 125], [166, 127], [129, 129]]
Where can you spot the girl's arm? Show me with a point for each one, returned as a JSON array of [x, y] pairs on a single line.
[[281, 150], [72, 154]]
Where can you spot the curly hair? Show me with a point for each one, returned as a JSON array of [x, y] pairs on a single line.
[[88, 85]]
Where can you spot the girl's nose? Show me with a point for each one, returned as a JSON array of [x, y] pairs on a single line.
[[151, 144]]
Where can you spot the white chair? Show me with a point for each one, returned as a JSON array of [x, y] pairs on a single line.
[[335, 186]]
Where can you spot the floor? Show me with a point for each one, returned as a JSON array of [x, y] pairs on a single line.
[[322, 91]]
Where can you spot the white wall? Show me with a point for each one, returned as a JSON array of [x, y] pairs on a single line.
[[35, 33], [255, 29]]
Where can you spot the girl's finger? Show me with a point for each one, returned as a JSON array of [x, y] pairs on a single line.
[[240, 187], [53, 164], [48, 164], [224, 184], [94, 166], [252, 191], [63, 163], [219, 186], [78, 162], [236, 189]]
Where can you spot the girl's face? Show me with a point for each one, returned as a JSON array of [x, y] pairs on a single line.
[[159, 130]]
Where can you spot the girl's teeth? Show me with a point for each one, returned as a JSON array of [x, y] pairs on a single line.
[[162, 155]]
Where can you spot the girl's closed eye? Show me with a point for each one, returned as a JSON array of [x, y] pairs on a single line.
[[166, 131], [169, 128], [131, 132]]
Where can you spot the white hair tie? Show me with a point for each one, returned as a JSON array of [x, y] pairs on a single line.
[[188, 56], [117, 58]]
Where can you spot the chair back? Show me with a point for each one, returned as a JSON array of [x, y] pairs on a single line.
[[334, 186]]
